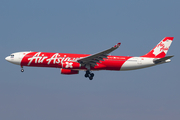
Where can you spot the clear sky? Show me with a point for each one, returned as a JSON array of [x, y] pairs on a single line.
[[89, 26]]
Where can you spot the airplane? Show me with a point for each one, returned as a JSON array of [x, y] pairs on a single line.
[[73, 63]]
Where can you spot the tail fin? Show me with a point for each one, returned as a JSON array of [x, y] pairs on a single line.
[[161, 49]]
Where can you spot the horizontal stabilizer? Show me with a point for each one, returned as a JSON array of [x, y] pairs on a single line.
[[156, 61]]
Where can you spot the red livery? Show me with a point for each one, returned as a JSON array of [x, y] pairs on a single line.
[[72, 63]]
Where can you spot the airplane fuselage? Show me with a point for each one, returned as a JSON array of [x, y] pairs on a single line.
[[69, 61], [73, 63]]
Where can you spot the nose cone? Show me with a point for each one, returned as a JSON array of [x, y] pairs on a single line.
[[14, 58], [7, 58]]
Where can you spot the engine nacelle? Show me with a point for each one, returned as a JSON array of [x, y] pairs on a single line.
[[69, 71]]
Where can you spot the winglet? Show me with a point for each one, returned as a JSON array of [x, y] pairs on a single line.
[[117, 45]]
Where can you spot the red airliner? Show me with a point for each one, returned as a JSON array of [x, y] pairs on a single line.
[[73, 63]]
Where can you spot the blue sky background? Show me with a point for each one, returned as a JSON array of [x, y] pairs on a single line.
[[89, 27]]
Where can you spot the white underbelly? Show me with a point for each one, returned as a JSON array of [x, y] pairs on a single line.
[[137, 63]]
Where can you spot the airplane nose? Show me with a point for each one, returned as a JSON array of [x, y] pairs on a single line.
[[13, 59], [7, 58]]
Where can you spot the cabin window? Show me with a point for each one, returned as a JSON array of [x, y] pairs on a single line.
[[12, 56]]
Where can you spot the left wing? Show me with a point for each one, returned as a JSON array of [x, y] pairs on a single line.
[[93, 59]]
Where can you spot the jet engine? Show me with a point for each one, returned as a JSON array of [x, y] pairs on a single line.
[[69, 71]]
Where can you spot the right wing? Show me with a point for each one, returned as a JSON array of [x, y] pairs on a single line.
[[93, 59]]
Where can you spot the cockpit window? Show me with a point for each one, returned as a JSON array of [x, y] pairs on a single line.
[[12, 56]]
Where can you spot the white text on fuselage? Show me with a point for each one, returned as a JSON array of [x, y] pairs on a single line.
[[55, 59]]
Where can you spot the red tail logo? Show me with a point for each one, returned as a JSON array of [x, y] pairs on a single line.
[[161, 48]]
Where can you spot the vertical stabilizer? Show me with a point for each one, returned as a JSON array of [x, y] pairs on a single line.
[[161, 49]]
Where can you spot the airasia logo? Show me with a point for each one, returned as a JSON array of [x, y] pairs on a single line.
[[54, 59], [69, 65], [162, 47]]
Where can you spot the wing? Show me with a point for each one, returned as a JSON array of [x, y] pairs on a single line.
[[93, 59]]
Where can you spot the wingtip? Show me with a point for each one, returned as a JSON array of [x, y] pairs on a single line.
[[117, 45]]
